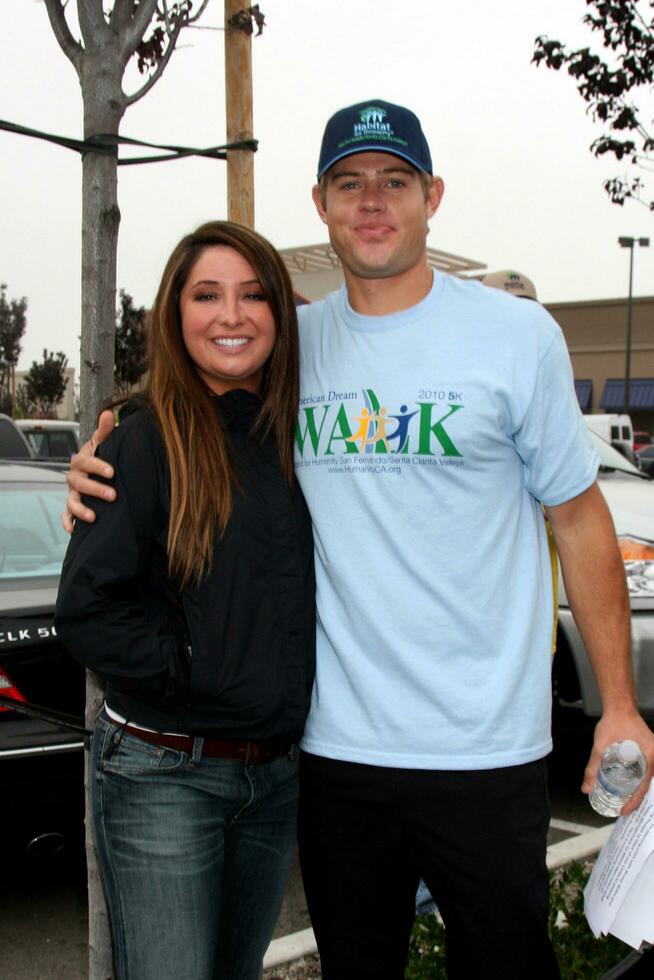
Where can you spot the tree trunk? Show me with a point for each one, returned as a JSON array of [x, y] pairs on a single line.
[[238, 98], [100, 223], [111, 34], [103, 111]]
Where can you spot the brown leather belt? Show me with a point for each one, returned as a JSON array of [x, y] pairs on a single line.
[[250, 753]]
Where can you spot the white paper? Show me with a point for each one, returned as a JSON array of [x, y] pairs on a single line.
[[620, 891], [635, 919]]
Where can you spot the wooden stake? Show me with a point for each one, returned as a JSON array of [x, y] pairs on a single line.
[[238, 107]]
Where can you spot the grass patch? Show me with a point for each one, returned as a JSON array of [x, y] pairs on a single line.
[[580, 955]]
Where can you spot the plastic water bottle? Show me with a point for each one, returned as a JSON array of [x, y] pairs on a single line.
[[620, 773]]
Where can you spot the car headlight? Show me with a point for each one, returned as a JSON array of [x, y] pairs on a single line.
[[638, 558]]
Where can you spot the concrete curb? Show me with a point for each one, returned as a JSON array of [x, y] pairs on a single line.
[[291, 947], [578, 848], [588, 841]]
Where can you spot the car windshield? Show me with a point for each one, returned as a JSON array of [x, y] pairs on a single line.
[[610, 458], [47, 443], [32, 540]]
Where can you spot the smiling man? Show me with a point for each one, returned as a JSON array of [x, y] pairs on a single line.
[[430, 719], [436, 416]]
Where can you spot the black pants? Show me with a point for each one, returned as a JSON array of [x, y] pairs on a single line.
[[478, 839]]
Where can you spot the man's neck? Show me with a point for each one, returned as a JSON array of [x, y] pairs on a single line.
[[379, 297]]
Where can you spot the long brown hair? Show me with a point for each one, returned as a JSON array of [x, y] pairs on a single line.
[[201, 476]]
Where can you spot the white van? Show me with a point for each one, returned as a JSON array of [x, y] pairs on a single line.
[[614, 429], [50, 439]]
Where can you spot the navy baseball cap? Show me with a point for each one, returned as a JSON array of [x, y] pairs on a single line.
[[374, 125]]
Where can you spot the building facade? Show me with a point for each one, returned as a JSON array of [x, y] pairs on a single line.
[[596, 335]]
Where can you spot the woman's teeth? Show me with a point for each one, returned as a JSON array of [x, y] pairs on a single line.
[[231, 341]]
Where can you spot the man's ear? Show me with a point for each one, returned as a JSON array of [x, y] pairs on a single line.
[[434, 196], [318, 201]]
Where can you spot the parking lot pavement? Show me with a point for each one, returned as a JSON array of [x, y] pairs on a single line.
[[293, 916], [44, 921], [306, 968]]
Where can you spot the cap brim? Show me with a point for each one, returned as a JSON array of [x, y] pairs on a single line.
[[371, 148]]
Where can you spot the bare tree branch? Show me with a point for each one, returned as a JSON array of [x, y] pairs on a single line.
[[153, 79], [166, 16], [193, 17], [92, 21], [121, 14], [132, 35], [71, 48], [639, 17]]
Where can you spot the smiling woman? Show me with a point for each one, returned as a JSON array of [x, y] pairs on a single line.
[[188, 369], [192, 596], [227, 323]]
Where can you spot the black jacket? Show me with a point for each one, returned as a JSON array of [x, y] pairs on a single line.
[[233, 657]]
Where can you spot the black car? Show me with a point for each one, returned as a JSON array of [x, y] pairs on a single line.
[[41, 762], [645, 457]]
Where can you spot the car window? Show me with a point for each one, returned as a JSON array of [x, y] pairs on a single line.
[[37, 441], [32, 540], [47, 443], [62, 443]]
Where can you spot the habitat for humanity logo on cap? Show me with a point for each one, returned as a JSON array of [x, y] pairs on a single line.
[[372, 122], [374, 125]]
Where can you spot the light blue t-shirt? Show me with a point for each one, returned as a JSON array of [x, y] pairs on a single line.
[[426, 442]]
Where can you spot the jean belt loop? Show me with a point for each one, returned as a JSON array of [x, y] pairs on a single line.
[[115, 739], [196, 755]]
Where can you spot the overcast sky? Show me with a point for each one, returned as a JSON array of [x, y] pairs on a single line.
[[510, 141]]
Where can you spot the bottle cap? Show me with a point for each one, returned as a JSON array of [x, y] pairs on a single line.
[[628, 751]]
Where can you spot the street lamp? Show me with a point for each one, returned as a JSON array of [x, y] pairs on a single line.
[[629, 243]]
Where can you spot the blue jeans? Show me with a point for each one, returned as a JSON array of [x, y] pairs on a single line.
[[194, 854]]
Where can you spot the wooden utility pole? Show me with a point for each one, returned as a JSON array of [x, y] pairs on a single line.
[[238, 107]]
